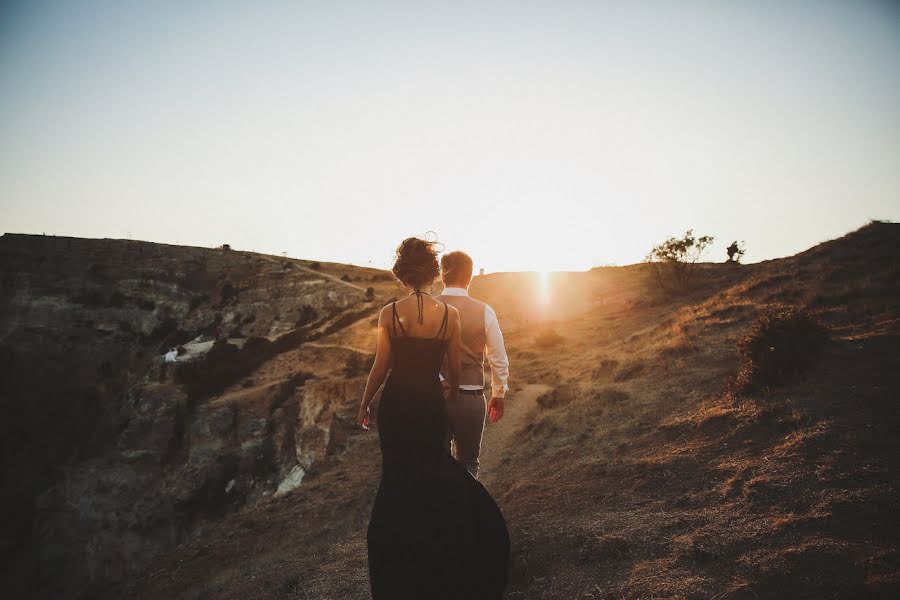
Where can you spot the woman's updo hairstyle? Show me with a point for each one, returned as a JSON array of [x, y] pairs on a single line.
[[417, 263]]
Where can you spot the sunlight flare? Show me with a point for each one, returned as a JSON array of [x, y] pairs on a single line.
[[544, 287]]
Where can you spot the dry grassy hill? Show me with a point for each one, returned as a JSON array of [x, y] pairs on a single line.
[[632, 462]]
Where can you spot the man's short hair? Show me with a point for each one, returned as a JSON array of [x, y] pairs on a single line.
[[456, 267]]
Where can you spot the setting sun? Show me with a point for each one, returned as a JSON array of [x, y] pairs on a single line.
[[544, 288]]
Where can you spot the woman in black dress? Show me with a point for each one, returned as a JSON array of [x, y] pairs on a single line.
[[435, 532]]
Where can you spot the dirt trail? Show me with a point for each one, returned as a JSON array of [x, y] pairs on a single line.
[[499, 437], [336, 346], [332, 277], [313, 271]]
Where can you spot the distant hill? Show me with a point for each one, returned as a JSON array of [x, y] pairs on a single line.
[[630, 463]]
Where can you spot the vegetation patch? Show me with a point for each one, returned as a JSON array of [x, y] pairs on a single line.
[[629, 371], [222, 366], [559, 396], [606, 368], [781, 344], [308, 314], [611, 395]]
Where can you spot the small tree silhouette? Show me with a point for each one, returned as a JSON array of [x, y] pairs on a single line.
[[370, 293], [735, 251], [676, 258]]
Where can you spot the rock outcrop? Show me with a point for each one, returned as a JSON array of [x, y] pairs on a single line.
[[112, 455]]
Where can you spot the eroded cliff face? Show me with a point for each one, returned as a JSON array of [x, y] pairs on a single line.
[[111, 457], [170, 470]]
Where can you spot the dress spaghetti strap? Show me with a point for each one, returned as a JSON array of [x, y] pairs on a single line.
[[395, 320], [443, 330]]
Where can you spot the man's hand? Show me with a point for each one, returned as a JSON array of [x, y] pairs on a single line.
[[446, 387], [495, 409]]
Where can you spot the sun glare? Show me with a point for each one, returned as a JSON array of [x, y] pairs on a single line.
[[544, 287]]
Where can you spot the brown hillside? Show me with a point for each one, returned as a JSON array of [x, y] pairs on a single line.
[[628, 464]]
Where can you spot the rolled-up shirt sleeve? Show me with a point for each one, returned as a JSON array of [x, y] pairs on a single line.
[[496, 354]]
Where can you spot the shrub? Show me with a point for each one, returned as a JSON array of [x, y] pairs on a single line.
[[370, 293], [547, 339], [316, 265], [735, 251], [196, 301], [228, 292], [781, 344], [558, 396], [676, 259], [345, 277], [629, 371], [308, 314], [222, 366], [606, 368]]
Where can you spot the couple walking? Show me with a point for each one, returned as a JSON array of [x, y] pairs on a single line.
[[435, 532]]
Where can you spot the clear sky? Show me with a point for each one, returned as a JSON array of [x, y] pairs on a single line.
[[536, 135]]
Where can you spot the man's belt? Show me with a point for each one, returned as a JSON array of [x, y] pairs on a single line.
[[478, 391]]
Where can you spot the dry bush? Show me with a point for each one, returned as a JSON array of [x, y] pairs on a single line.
[[782, 343], [548, 339], [630, 371], [606, 369], [611, 395], [308, 314], [675, 260], [559, 396]]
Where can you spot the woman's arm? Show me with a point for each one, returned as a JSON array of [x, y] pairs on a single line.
[[379, 370], [454, 366]]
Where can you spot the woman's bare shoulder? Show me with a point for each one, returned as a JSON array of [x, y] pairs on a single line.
[[453, 313]]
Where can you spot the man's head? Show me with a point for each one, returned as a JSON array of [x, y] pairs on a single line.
[[456, 269]]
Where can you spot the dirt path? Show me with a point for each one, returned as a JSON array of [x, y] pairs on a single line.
[[313, 271], [236, 393], [338, 346], [332, 277], [500, 436]]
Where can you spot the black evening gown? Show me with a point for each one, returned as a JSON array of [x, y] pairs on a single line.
[[435, 532]]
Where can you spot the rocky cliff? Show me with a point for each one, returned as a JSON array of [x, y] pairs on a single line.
[[110, 455]]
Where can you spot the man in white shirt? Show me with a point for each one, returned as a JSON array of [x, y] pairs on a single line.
[[481, 338]]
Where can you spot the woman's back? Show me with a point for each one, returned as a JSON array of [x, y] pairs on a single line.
[[418, 316], [418, 349]]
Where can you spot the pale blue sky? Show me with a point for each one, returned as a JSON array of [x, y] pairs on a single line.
[[536, 135]]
